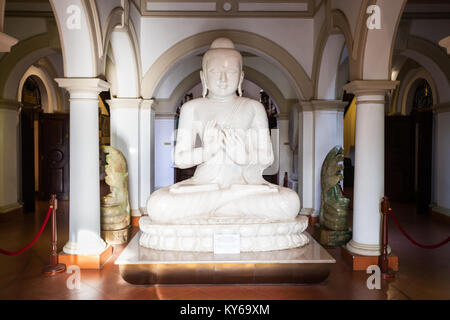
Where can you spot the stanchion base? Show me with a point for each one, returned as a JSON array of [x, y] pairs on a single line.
[[388, 275], [52, 270]]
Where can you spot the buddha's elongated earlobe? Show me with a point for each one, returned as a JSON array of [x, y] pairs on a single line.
[[241, 80], [204, 86]]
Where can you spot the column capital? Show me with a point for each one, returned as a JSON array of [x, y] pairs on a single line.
[[147, 104], [329, 105], [442, 107], [323, 105], [6, 42], [130, 103], [9, 104], [124, 103], [445, 43], [306, 105], [370, 87], [83, 85]]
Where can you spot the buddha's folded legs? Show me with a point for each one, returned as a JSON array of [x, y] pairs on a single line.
[[282, 205], [165, 206]]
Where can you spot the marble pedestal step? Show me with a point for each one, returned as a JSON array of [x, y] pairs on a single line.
[[305, 265]]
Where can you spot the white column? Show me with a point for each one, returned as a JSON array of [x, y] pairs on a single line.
[[328, 133], [306, 157], [6, 42], [125, 137], [321, 126], [369, 164], [146, 154], [9, 156], [84, 205]]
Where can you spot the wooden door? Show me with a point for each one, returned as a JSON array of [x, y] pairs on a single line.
[[399, 158], [54, 156]]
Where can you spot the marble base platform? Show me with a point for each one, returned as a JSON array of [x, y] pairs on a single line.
[[305, 265], [198, 235]]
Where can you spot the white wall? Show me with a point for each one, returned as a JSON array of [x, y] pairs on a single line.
[[377, 52], [273, 73], [162, 33], [329, 67], [329, 132], [285, 151], [442, 160], [125, 137], [24, 28], [164, 169], [190, 64], [432, 30], [176, 75], [8, 159], [79, 61], [251, 90], [104, 8], [351, 9], [126, 68]]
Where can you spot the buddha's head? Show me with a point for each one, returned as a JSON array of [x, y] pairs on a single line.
[[222, 73]]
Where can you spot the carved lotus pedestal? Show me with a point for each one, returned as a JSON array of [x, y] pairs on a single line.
[[198, 235]]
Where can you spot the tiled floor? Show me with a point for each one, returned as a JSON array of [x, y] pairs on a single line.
[[424, 274]]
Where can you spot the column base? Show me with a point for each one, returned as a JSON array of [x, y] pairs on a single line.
[[94, 261], [364, 249], [313, 217], [441, 214], [11, 207], [136, 212], [361, 262], [92, 245]]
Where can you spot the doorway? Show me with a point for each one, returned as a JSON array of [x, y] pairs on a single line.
[[408, 156], [54, 156], [29, 119]]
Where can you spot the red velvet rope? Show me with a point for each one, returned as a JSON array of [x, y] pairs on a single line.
[[14, 253], [437, 245]]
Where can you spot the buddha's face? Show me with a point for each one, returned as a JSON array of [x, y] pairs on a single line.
[[222, 75]]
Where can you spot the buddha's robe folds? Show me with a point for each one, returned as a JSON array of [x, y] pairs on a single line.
[[224, 186]]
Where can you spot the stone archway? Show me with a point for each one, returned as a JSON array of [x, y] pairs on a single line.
[[268, 48]]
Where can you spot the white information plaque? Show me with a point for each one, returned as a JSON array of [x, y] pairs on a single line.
[[227, 243]]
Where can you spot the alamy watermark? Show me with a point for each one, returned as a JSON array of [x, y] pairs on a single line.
[[374, 280], [374, 20], [73, 282], [73, 21]]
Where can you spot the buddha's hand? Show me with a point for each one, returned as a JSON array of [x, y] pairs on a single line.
[[235, 146], [212, 139]]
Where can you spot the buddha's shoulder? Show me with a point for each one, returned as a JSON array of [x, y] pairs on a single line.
[[250, 102], [191, 105]]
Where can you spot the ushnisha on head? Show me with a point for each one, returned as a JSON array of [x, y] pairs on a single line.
[[222, 73]]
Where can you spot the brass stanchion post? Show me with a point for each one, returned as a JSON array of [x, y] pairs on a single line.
[[54, 267], [383, 261]]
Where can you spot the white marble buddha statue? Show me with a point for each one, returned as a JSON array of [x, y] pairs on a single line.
[[227, 137]]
